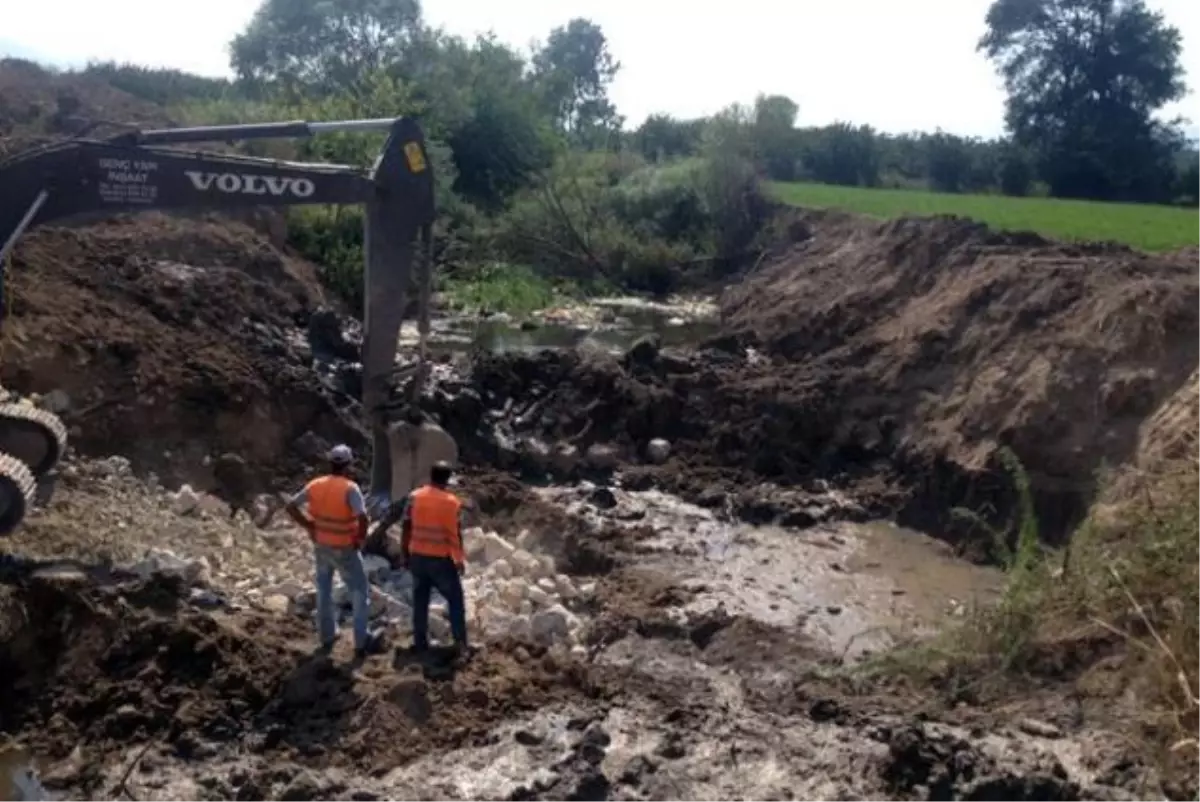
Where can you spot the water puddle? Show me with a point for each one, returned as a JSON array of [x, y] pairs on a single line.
[[610, 324], [851, 587]]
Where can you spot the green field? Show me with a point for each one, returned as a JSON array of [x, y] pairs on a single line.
[[1151, 228]]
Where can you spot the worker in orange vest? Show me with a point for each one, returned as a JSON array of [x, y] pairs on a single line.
[[336, 520], [431, 547]]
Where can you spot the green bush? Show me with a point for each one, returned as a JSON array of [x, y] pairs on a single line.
[[501, 287]]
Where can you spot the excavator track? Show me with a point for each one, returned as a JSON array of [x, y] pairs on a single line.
[[33, 436], [17, 487]]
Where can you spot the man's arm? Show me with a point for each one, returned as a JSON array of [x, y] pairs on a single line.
[[462, 546], [354, 497], [302, 520], [406, 528]]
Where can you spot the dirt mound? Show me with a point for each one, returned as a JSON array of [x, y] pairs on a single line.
[[36, 103], [172, 335], [92, 667], [937, 342]]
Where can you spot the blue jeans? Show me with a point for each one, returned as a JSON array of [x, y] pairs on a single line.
[[348, 563], [436, 572]]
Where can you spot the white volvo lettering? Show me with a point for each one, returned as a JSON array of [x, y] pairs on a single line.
[[236, 184]]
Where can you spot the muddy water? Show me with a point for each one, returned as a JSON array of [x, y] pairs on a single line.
[[850, 587], [611, 324]]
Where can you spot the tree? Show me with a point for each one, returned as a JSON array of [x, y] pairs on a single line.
[[843, 154], [1016, 170], [775, 135], [323, 45], [1084, 78], [503, 140], [572, 72], [663, 137], [948, 162]]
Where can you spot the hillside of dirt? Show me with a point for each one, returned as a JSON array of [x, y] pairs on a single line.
[[935, 342], [174, 339]]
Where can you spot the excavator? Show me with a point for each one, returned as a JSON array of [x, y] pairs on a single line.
[[141, 170]]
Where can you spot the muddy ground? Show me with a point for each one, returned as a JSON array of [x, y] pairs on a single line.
[[138, 687], [868, 371]]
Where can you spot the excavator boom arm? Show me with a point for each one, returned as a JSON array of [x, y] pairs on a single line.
[[141, 170]]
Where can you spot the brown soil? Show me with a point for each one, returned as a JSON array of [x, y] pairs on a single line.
[[900, 357], [99, 666], [174, 339], [951, 341]]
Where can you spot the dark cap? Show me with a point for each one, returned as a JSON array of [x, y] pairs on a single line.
[[441, 472]]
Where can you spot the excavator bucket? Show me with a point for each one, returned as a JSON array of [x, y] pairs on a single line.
[[136, 171]]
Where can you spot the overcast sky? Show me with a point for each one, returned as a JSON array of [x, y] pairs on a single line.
[[899, 65]]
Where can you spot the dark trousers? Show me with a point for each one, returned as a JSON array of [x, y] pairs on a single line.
[[436, 572]]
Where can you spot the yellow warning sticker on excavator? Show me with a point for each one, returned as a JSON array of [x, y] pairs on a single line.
[[416, 159]]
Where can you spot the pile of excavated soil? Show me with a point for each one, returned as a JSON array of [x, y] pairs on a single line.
[[96, 666], [174, 339], [937, 342]]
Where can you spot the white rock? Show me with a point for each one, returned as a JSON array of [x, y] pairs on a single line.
[[658, 450], [537, 596], [523, 563], [546, 566], [161, 561], [499, 570], [602, 456], [526, 608], [473, 543], [565, 458], [213, 505], [519, 627], [510, 595], [495, 547], [524, 539], [203, 571], [377, 567], [551, 625], [547, 584], [564, 586], [185, 501], [276, 603], [579, 652], [587, 589], [290, 589]]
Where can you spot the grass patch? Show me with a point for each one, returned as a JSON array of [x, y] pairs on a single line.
[[1150, 228], [516, 290]]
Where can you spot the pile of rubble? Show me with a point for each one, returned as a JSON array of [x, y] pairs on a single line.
[[510, 591]]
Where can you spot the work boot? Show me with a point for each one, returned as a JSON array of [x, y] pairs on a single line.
[[462, 654]]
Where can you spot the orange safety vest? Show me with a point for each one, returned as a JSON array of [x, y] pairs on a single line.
[[434, 518], [336, 523]]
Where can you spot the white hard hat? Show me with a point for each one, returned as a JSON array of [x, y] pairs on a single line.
[[341, 455]]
